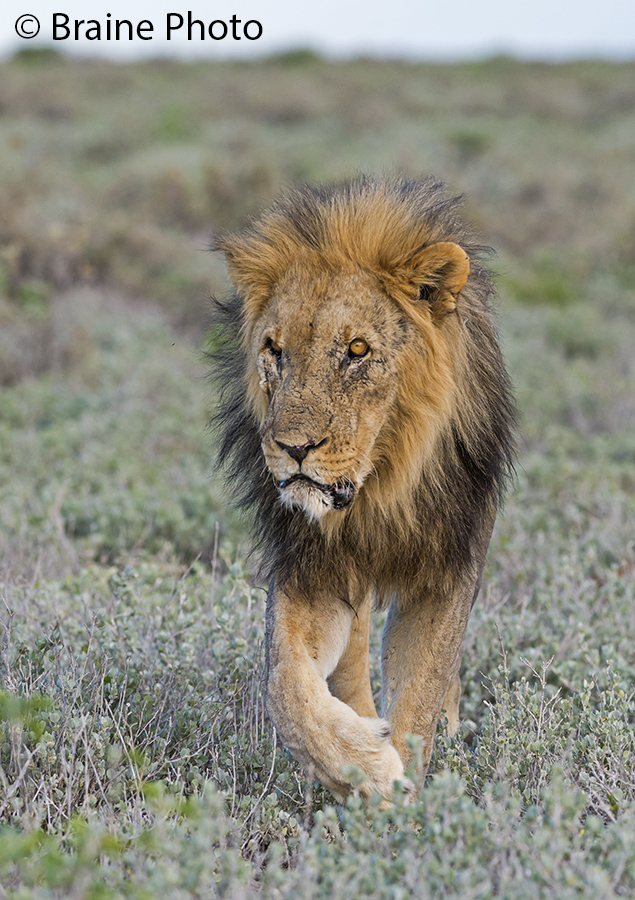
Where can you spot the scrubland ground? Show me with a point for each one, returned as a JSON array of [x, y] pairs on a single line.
[[136, 759]]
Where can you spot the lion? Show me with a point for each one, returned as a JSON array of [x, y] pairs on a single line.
[[366, 419]]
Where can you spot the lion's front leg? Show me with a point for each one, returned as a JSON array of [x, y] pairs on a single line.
[[421, 653], [350, 681], [305, 641]]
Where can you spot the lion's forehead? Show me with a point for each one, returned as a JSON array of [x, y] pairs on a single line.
[[317, 315]]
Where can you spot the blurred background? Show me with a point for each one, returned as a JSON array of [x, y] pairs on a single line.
[[117, 163], [405, 29]]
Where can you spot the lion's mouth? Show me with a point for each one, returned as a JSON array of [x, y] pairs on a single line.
[[341, 493]]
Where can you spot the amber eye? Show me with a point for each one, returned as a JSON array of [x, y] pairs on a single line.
[[358, 348]]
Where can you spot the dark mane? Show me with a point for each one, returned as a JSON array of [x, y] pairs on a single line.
[[373, 223]]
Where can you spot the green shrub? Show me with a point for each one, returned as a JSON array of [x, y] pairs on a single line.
[[549, 283]]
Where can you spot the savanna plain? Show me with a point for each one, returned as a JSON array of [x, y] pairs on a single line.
[[136, 758]]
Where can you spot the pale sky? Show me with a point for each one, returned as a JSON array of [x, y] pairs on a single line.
[[542, 29]]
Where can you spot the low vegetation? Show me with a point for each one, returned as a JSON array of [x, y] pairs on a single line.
[[136, 758]]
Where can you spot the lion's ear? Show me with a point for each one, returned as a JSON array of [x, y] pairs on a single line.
[[440, 272], [256, 263], [249, 270]]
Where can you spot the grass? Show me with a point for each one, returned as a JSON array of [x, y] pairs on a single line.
[[136, 758]]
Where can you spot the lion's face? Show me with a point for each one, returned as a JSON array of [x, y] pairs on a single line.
[[327, 351]]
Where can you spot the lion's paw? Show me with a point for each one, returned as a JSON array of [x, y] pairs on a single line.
[[378, 760]]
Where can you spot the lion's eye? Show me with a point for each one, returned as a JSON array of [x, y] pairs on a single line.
[[275, 348], [357, 348]]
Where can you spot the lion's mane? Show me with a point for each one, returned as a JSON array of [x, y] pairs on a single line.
[[437, 517]]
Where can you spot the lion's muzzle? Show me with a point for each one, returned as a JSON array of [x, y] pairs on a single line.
[[333, 496]]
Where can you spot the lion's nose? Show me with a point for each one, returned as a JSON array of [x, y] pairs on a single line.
[[299, 452]]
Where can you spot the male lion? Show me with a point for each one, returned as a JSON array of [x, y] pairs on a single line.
[[366, 418]]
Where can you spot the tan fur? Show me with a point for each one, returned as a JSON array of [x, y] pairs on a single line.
[[323, 732], [361, 451], [391, 446], [350, 681]]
